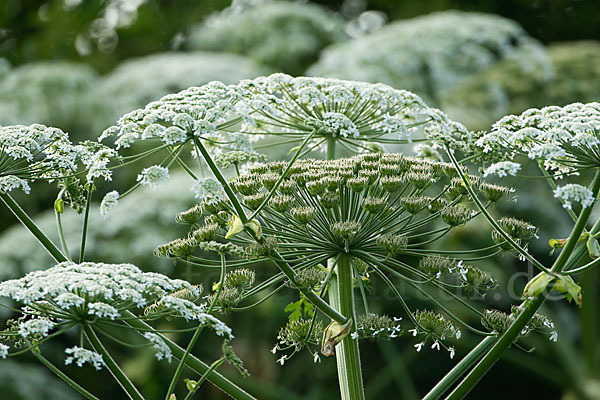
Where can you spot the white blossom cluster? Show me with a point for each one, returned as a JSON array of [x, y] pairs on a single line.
[[432, 53], [354, 112], [574, 193], [303, 29], [80, 356], [87, 290], [137, 82], [37, 152], [49, 92], [565, 139], [162, 350], [153, 176], [197, 111]]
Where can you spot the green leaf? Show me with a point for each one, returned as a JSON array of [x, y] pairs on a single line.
[[235, 227], [537, 285]]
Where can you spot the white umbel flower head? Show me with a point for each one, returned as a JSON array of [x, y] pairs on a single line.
[[80, 356], [153, 176], [502, 169], [574, 193], [207, 188]]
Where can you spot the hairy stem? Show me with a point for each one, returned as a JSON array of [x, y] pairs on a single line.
[[341, 297]]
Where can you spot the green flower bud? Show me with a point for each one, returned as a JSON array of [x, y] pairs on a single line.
[[303, 214], [190, 216], [311, 277], [346, 229], [419, 180], [434, 266], [248, 185], [269, 180], [497, 321], [317, 188], [263, 249], [392, 243], [288, 186], [373, 327], [391, 183], [241, 279], [281, 202], [517, 228], [254, 201], [357, 184], [374, 205], [206, 233], [414, 205], [298, 333], [455, 216], [437, 205]]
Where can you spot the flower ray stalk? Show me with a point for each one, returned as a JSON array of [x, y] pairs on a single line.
[[112, 366], [197, 333]]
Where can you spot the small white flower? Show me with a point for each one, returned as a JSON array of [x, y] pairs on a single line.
[[574, 192], [413, 331], [435, 345], [354, 335], [103, 310], [81, 356], [4, 350], [153, 176], [274, 349], [316, 357], [554, 336], [419, 346], [282, 359], [452, 352]]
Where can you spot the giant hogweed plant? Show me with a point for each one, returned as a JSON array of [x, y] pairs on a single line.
[[331, 227]]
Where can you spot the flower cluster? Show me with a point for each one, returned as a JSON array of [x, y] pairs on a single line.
[[70, 293], [380, 209], [303, 29], [563, 138], [435, 328], [81, 356], [354, 113], [38, 152], [432, 53], [498, 322], [373, 326]]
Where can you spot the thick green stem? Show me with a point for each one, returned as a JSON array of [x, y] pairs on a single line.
[[462, 367], [193, 362], [86, 218], [330, 148], [341, 297], [33, 228], [529, 307], [63, 376], [112, 366]]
